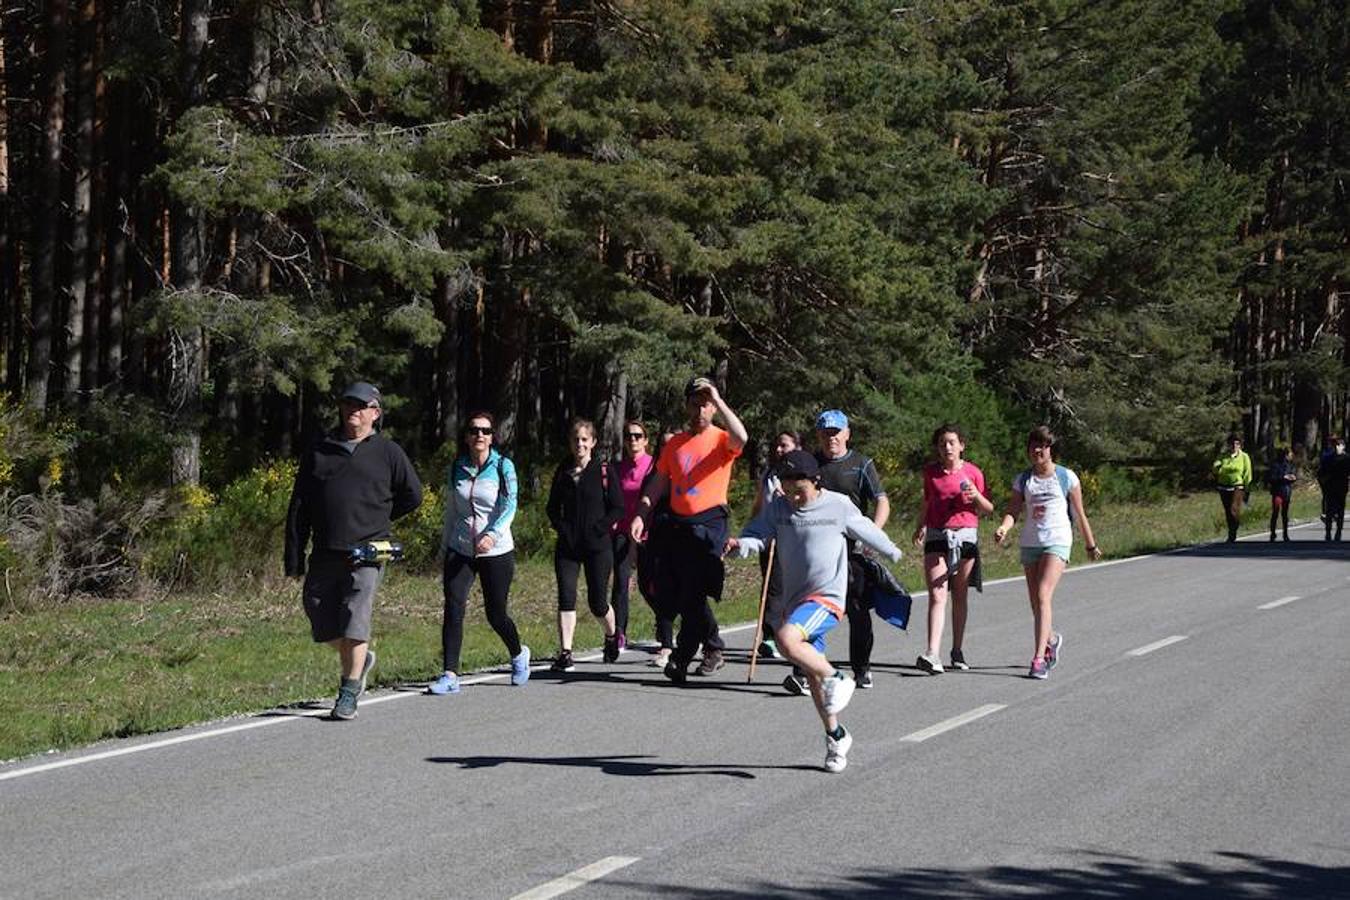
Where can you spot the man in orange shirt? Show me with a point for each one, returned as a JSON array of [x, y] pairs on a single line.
[[695, 470]]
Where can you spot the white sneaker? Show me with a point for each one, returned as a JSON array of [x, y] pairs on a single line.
[[930, 663], [836, 752], [838, 690]]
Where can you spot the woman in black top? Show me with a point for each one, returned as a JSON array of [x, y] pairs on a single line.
[[583, 503]]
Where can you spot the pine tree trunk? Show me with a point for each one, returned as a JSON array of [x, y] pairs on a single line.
[[10, 331], [47, 203], [81, 220], [187, 346]]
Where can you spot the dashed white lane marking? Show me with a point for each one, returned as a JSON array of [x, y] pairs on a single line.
[[580, 878], [1157, 645], [1280, 602], [954, 722]]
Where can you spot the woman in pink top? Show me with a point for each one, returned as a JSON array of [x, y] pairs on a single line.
[[632, 472], [953, 501]]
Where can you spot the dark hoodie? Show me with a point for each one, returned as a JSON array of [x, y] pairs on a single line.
[[583, 511]]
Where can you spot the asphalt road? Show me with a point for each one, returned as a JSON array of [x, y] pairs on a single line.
[[1216, 764]]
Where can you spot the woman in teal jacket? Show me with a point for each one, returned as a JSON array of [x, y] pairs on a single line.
[[1232, 475]]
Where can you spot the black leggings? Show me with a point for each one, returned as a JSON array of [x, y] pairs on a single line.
[[1279, 508], [567, 569], [1231, 498], [456, 578], [623, 570], [1335, 510]]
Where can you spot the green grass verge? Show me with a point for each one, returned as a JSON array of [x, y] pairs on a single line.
[[88, 670]]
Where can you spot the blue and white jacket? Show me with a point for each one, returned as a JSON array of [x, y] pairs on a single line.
[[478, 502]]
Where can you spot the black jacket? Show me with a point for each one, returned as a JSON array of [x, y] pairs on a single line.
[[584, 511], [343, 498]]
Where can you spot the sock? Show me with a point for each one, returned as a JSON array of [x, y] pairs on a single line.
[[838, 732]]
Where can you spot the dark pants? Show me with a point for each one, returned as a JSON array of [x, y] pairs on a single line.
[[689, 583], [567, 569], [860, 639], [1279, 509], [1231, 498], [1335, 499], [457, 576], [623, 570]]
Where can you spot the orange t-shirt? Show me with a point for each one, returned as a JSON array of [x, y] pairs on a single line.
[[699, 469]]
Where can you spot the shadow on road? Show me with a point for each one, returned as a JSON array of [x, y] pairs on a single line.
[[1237, 876], [1253, 549], [612, 765]]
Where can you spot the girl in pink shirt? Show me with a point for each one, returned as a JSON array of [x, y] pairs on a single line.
[[632, 472], [953, 501]]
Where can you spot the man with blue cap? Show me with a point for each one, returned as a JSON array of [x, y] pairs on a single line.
[[848, 472]]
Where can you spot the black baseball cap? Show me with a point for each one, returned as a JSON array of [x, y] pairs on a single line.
[[362, 392], [798, 464]]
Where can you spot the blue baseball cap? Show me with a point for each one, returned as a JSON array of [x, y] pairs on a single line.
[[832, 418]]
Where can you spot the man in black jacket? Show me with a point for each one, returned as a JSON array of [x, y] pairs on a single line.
[[351, 484]]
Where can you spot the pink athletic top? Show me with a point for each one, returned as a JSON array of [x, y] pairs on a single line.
[[944, 506], [632, 472]]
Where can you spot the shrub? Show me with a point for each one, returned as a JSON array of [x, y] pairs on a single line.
[[55, 549], [238, 535]]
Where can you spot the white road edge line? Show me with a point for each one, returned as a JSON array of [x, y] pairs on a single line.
[[954, 722], [1157, 645], [1280, 602], [580, 878]]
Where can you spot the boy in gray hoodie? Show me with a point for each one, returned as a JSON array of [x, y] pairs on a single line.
[[811, 526]]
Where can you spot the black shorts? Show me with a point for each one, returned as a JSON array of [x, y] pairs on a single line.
[[968, 550]]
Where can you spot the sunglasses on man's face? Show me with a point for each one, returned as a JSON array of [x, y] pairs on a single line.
[[475, 430], [635, 435]]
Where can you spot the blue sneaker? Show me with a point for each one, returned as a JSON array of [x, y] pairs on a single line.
[[520, 666], [446, 684]]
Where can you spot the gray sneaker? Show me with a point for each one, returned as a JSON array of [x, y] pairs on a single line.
[[1052, 650], [345, 706], [712, 661]]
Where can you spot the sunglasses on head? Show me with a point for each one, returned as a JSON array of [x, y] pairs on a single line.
[[477, 430], [635, 435]]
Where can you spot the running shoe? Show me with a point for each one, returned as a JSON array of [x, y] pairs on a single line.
[[769, 650], [622, 640], [345, 706], [661, 658], [929, 662], [365, 669], [796, 684], [677, 672], [520, 666], [864, 679], [446, 684], [838, 690], [611, 651], [1038, 669], [1052, 650], [712, 661], [836, 752], [959, 661], [564, 662]]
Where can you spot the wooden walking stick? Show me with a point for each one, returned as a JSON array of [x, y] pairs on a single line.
[[759, 623]]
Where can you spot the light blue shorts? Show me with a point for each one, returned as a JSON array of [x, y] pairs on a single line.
[[814, 621], [1031, 554]]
